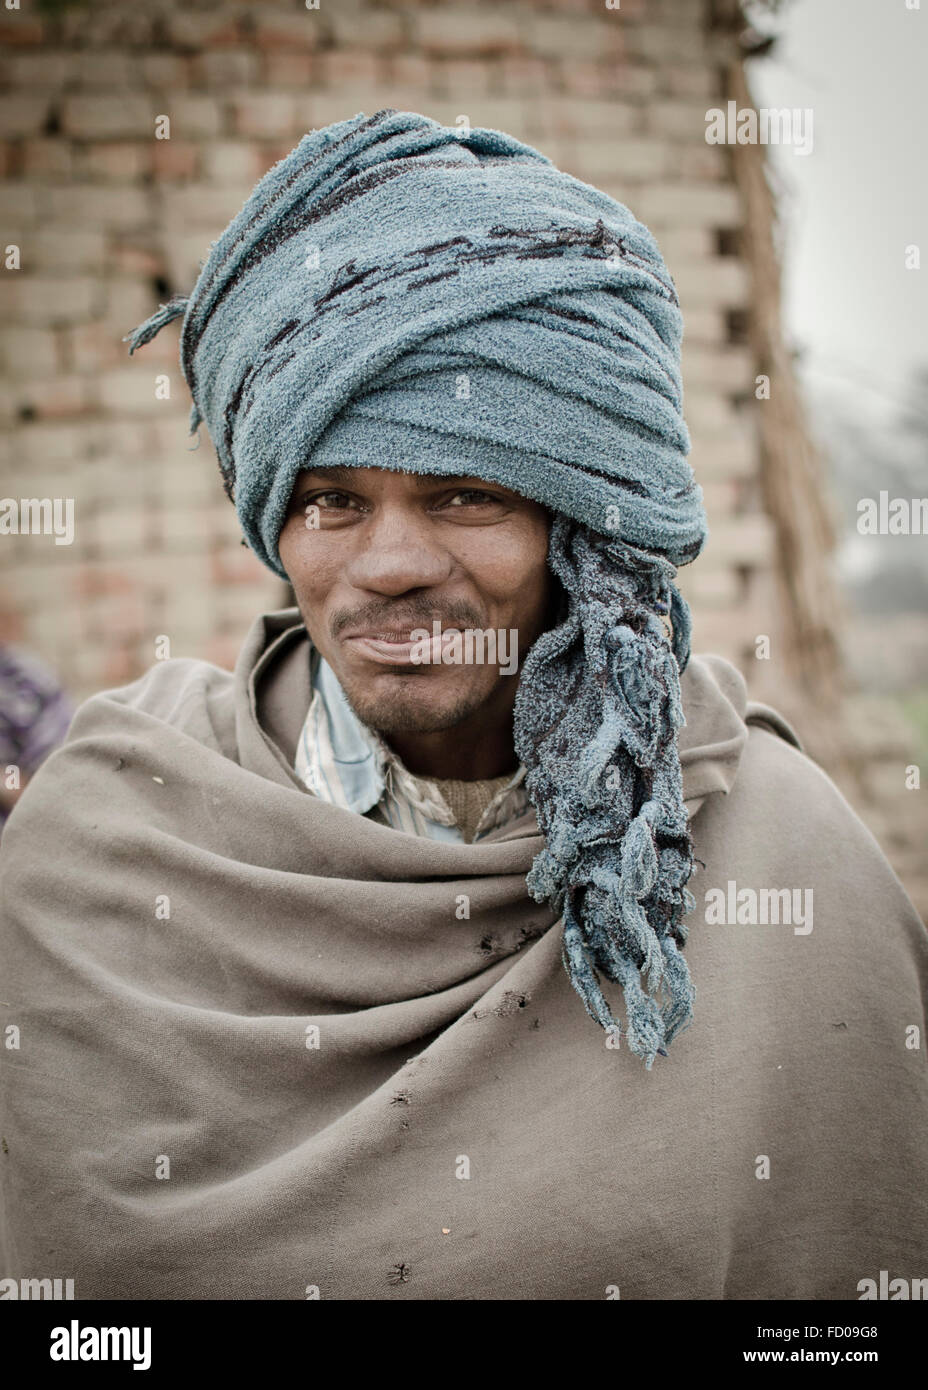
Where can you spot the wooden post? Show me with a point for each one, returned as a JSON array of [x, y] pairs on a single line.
[[790, 468]]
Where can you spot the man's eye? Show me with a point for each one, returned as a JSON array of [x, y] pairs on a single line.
[[318, 498], [473, 492]]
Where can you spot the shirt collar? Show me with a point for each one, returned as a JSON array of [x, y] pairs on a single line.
[[343, 760]]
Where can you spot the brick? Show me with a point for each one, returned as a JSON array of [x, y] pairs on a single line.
[[23, 115], [350, 66], [708, 416], [577, 7], [119, 530], [731, 634], [223, 651], [265, 115], [197, 30], [27, 351], [745, 540], [48, 68], [726, 459], [721, 497], [235, 606], [368, 28], [182, 256], [118, 480], [118, 208], [108, 117], [626, 158], [335, 105], [49, 300], [19, 205], [282, 69], [270, 152], [599, 120], [167, 71], [673, 204], [411, 70], [231, 161], [498, 113], [707, 588], [90, 347], [678, 13], [468, 30], [192, 117], [39, 585], [19, 28], [174, 159], [131, 390], [294, 29], [617, 80], [41, 444], [225, 67], [236, 565], [722, 282], [689, 162], [99, 580], [704, 325], [115, 159], [183, 208], [47, 158], [128, 301], [681, 120], [664, 43], [519, 75], [56, 397], [690, 80], [567, 37], [189, 475], [104, 68], [729, 370], [184, 528], [686, 243]]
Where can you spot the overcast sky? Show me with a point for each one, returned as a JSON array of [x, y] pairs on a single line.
[[853, 205]]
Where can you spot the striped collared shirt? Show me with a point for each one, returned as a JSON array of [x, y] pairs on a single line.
[[342, 760]]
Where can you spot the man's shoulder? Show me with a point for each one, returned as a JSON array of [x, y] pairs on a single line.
[[798, 820], [189, 694], [140, 727]]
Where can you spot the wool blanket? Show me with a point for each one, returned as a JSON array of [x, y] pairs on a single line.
[[258, 1046]]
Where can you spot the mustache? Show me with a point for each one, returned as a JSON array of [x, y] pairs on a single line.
[[399, 616]]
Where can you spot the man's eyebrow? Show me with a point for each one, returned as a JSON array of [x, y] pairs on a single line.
[[339, 473]]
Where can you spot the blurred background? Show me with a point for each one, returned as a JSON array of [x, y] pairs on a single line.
[[133, 133]]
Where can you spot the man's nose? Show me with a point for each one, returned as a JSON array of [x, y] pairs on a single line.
[[396, 552]]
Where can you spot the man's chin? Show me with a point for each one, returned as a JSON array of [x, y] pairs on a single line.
[[416, 708]]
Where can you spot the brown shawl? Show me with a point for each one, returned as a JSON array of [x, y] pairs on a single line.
[[257, 1046]]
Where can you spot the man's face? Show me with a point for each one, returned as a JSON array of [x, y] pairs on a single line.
[[374, 555]]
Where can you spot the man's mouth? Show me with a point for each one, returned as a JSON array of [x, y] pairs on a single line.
[[397, 647]]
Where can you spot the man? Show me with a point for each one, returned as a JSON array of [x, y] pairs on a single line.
[[385, 966]]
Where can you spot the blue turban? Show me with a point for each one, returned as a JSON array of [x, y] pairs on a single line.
[[406, 295]]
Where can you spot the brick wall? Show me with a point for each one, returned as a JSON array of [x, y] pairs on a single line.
[[111, 220]]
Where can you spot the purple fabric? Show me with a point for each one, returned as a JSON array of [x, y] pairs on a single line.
[[35, 713]]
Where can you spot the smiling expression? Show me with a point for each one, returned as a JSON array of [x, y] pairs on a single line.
[[373, 554]]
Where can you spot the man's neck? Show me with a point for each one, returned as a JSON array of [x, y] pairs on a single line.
[[477, 748]]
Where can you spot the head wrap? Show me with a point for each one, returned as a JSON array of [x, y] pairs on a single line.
[[406, 295]]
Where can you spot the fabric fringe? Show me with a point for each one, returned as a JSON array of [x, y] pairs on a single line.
[[596, 719], [175, 307]]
